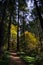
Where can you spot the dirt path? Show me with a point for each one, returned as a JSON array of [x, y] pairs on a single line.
[[15, 59]]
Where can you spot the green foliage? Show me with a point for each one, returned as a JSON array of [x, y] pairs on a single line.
[[31, 43], [29, 60], [32, 60], [5, 59]]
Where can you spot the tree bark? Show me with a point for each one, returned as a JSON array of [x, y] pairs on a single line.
[[41, 20], [9, 27], [24, 44], [39, 14], [18, 29]]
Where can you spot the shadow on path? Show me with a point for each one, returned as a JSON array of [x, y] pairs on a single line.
[[15, 59]]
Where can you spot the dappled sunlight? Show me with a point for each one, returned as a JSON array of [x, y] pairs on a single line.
[[16, 58]]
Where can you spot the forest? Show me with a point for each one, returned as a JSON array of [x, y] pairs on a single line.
[[21, 32]]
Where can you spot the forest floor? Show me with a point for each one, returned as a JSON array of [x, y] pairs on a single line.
[[15, 59]]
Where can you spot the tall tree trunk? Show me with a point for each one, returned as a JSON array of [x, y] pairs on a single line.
[[9, 27], [18, 29], [24, 33], [39, 14], [23, 28], [41, 20]]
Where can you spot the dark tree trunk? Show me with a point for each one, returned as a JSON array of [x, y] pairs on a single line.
[[9, 27], [24, 45], [41, 20], [39, 14], [23, 28], [18, 30]]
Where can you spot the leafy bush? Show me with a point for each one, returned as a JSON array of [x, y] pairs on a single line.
[[5, 59]]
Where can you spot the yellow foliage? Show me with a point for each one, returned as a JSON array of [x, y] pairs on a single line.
[[31, 40], [31, 36], [13, 29], [13, 35]]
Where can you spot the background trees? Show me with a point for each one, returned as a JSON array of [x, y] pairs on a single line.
[[21, 26]]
